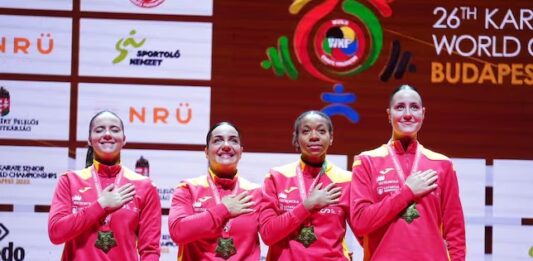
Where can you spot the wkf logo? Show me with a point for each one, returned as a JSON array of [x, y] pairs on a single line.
[[10, 252], [5, 102]]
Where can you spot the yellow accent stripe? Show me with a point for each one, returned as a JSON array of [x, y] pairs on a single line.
[[379, 152], [356, 163], [247, 185], [84, 173], [345, 249], [338, 175], [434, 155], [287, 170], [199, 181], [129, 174]]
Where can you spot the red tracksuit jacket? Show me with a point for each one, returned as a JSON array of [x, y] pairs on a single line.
[[379, 197], [75, 217], [283, 214], [196, 221]]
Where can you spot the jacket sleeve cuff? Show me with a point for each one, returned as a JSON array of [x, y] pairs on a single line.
[[300, 212], [406, 195], [96, 210], [220, 212]]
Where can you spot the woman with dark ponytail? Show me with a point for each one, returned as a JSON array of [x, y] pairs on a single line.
[[89, 157], [106, 211]]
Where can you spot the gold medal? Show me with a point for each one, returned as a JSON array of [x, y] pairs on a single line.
[[307, 233], [106, 241], [307, 236], [411, 213], [225, 248]]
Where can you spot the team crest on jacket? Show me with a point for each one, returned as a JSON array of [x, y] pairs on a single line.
[[387, 183], [200, 201], [76, 198]]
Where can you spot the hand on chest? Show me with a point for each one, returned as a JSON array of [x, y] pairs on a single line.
[[290, 195], [204, 199], [388, 180], [85, 194]]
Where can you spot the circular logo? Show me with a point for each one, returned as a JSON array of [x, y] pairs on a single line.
[[341, 44], [147, 3]]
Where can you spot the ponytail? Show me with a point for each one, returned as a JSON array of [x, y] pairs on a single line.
[[90, 156]]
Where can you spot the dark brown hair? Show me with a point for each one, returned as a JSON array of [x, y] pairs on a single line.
[[208, 137]]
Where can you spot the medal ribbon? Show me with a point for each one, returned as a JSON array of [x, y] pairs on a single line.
[[411, 212], [399, 169], [301, 183], [216, 195], [98, 187]]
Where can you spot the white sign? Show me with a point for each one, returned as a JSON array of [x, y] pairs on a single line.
[[34, 110], [475, 241], [145, 49], [38, 45], [512, 242], [174, 7], [471, 174], [27, 237], [28, 175], [513, 196], [154, 114], [38, 4]]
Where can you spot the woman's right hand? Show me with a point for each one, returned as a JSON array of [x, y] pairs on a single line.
[[115, 198], [319, 198], [238, 204], [421, 183]]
